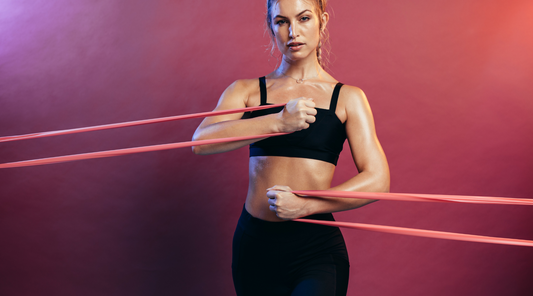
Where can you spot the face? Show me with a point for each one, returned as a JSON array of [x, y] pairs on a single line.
[[296, 28]]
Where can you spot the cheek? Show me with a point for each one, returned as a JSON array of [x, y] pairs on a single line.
[[279, 32], [313, 34], [311, 29], [280, 36]]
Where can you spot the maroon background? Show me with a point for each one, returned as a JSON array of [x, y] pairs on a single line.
[[450, 87]]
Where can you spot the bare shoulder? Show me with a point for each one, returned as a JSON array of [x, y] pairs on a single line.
[[352, 102], [238, 93], [352, 95], [245, 84]]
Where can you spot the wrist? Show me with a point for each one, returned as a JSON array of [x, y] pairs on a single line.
[[309, 207], [277, 123]]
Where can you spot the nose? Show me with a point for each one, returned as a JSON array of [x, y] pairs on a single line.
[[292, 31]]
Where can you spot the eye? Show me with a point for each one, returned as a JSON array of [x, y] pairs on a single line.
[[305, 18], [280, 22]]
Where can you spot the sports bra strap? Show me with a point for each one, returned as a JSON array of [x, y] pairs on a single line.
[[335, 97], [332, 105], [263, 90]]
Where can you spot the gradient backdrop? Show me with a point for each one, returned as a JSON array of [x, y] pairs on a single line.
[[449, 82]]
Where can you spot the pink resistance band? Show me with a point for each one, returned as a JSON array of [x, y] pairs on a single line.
[[424, 233], [367, 195], [118, 152], [418, 197], [133, 123]]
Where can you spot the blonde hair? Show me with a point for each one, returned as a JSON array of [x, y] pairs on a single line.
[[320, 8]]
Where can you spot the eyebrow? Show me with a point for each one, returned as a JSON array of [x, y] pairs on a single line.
[[296, 15]]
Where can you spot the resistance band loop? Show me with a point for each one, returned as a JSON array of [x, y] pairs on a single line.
[[366, 195], [133, 123]]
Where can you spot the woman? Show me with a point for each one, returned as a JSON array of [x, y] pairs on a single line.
[[273, 256]]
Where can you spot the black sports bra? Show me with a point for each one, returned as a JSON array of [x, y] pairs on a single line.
[[323, 140]]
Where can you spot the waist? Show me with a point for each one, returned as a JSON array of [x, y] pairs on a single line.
[[287, 229]]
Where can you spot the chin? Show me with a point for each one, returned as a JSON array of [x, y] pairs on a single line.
[[298, 58], [297, 55]]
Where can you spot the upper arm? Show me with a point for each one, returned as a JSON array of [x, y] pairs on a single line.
[[364, 144], [235, 96]]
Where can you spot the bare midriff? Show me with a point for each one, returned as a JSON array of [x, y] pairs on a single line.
[[297, 173]]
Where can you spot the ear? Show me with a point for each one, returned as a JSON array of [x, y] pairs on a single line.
[[325, 19]]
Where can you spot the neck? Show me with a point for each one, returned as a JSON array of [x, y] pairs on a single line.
[[300, 69]]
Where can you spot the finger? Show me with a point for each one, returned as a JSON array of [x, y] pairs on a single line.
[[283, 188], [311, 111], [272, 202], [310, 119], [280, 188], [271, 194], [273, 208], [305, 102], [309, 102]]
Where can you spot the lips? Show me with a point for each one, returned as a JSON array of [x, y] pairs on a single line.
[[295, 45]]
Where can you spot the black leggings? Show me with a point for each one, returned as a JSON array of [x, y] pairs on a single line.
[[289, 258]]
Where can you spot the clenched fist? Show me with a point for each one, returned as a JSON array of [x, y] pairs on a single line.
[[297, 115], [285, 204]]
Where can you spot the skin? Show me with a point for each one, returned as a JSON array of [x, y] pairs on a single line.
[[295, 22]]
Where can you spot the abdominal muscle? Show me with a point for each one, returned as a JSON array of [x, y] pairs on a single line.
[[297, 173]]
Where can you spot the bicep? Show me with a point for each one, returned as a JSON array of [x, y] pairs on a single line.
[[234, 97], [364, 144]]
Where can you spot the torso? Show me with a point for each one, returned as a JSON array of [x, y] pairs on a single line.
[[297, 173]]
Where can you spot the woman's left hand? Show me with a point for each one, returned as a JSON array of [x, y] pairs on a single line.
[[286, 204]]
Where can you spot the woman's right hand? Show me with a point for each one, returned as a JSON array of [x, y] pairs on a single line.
[[297, 115]]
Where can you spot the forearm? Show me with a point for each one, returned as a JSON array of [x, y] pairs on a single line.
[[287, 205], [363, 182], [233, 128]]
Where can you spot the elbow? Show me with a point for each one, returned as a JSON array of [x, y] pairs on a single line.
[[204, 150], [385, 183], [197, 150], [383, 187], [201, 149], [381, 182]]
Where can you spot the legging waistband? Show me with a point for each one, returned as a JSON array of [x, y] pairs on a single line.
[[253, 225]]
